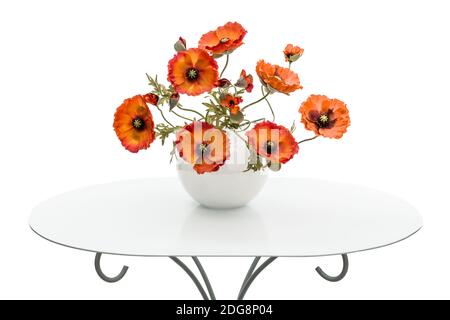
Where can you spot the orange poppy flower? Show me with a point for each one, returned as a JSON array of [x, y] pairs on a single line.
[[326, 117], [292, 53], [133, 123], [273, 142], [245, 81], [224, 40], [278, 78], [151, 98], [193, 72], [204, 146], [232, 103]]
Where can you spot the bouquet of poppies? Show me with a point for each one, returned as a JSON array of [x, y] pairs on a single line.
[[201, 136]]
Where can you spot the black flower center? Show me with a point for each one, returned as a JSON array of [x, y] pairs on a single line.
[[192, 74], [323, 121], [270, 147], [231, 103], [138, 124]]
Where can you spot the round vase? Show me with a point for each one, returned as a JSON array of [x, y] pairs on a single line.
[[228, 188], [224, 189]]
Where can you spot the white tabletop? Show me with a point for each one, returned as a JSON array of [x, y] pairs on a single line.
[[291, 217]]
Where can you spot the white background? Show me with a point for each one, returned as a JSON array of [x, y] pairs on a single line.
[[66, 65]]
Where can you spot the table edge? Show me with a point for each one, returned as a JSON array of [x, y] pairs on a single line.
[[226, 256]]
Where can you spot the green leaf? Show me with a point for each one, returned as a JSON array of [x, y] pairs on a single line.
[[173, 153], [208, 105], [163, 131], [293, 127], [254, 162]]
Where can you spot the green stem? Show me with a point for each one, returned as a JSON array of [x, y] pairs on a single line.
[[162, 114], [226, 65], [310, 139], [182, 117], [268, 103], [246, 124], [253, 121], [257, 101], [258, 120], [179, 106]]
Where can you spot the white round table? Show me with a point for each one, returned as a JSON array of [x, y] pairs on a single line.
[[290, 218]]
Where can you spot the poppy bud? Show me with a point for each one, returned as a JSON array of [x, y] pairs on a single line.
[[151, 98], [180, 45], [223, 83], [245, 81], [236, 116], [173, 100], [241, 83]]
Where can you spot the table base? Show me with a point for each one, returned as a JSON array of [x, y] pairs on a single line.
[[208, 294]]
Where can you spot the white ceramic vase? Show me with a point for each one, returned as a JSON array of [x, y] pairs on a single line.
[[230, 187]]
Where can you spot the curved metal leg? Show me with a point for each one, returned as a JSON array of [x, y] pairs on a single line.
[[249, 273], [249, 279], [340, 276], [205, 278], [105, 277], [192, 276]]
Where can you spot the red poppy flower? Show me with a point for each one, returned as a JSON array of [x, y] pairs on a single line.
[[193, 72], [133, 124], [326, 117], [245, 81], [203, 146], [151, 98], [273, 142], [224, 40], [278, 78], [292, 53]]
